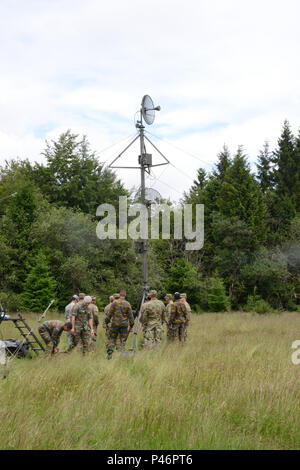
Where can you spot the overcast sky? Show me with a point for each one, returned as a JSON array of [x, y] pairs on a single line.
[[223, 71]]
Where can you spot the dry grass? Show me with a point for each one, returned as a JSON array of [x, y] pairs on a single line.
[[232, 386]]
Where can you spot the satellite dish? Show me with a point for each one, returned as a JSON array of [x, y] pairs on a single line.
[[151, 196], [148, 110]]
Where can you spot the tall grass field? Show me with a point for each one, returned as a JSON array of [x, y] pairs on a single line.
[[231, 386]]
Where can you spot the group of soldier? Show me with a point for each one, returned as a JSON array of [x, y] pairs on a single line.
[[82, 321]]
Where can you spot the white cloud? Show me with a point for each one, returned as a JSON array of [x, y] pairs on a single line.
[[223, 72]]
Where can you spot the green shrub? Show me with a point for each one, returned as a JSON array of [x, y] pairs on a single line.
[[256, 304], [291, 306], [197, 309]]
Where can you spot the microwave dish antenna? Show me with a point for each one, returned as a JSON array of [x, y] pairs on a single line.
[[148, 109]]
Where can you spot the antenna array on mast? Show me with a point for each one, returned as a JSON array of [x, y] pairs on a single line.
[[147, 114]]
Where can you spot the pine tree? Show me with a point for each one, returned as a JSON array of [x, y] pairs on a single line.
[[224, 162], [240, 196], [39, 286], [201, 180], [217, 298], [282, 203], [297, 176], [195, 193], [264, 167], [284, 158]]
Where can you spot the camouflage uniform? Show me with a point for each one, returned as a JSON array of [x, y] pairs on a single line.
[[153, 316], [168, 312], [68, 314], [177, 320], [82, 331], [119, 314], [107, 326], [95, 313], [189, 314], [51, 331]]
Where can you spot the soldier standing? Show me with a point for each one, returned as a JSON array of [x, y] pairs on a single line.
[[51, 331], [82, 324], [95, 313], [80, 300], [177, 319], [107, 326], [68, 314], [169, 300], [119, 315], [189, 314], [153, 316]]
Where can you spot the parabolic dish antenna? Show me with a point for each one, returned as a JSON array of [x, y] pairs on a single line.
[[151, 196], [148, 110]]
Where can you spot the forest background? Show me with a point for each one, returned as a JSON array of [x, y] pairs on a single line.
[[251, 255]]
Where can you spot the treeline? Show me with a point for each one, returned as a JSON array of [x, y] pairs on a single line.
[[251, 254]]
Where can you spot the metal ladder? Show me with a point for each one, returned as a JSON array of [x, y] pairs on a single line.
[[30, 338]]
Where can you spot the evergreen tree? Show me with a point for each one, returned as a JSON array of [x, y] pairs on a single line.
[[297, 176], [217, 298], [195, 193], [20, 213], [224, 162], [286, 168], [264, 169], [201, 180], [39, 286], [240, 196], [282, 202]]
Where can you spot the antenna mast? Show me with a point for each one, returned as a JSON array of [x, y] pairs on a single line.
[[147, 113]]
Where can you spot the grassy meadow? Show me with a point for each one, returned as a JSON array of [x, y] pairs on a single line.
[[231, 386]]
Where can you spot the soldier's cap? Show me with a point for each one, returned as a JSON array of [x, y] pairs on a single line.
[[183, 296], [116, 296], [153, 293], [87, 299], [81, 295], [75, 297], [176, 296], [169, 296], [93, 298]]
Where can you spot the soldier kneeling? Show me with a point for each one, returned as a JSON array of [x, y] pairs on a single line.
[[51, 332]]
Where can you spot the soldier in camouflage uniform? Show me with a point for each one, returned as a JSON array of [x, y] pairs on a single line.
[[153, 315], [81, 300], [82, 324], [169, 300], [177, 319], [107, 326], [189, 314], [51, 331], [95, 313], [68, 314], [119, 315]]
